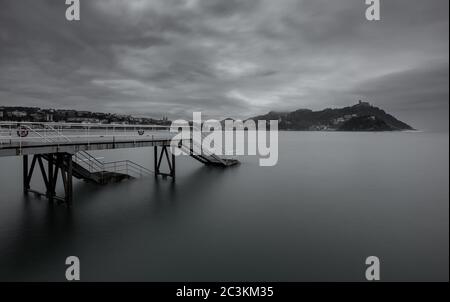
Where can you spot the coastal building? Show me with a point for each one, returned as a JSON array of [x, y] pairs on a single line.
[[349, 116], [37, 116], [339, 120], [17, 113], [83, 113], [84, 120]]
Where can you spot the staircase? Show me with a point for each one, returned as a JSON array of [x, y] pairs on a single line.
[[87, 167], [206, 157]]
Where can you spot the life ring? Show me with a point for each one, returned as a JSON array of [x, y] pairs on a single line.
[[22, 131], [141, 132]]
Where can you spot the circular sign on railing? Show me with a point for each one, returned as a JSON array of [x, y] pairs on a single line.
[[141, 131], [22, 131]]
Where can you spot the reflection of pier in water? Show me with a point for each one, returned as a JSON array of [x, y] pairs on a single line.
[[62, 149]]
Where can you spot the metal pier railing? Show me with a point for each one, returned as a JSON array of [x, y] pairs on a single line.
[[93, 165]]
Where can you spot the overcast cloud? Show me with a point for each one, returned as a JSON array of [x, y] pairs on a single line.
[[227, 58]]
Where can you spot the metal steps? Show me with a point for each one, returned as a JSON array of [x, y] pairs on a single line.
[[207, 157], [80, 172], [91, 169], [88, 168], [81, 165]]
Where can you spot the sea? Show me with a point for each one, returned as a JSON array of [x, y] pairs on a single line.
[[332, 200]]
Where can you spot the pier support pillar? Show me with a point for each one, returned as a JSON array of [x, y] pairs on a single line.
[[69, 185], [51, 183], [56, 162], [155, 159], [26, 182], [170, 159]]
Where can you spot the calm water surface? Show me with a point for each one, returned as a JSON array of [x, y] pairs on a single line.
[[332, 200]]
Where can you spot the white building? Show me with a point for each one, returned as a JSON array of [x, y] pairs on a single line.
[[17, 113]]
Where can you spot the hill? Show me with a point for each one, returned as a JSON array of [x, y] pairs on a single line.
[[360, 117]]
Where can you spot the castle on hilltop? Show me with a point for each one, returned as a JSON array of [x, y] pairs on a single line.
[[365, 104]]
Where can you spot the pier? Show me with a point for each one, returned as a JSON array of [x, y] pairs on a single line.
[[60, 151]]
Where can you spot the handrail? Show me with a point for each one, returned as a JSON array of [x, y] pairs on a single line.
[[93, 164], [36, 132], [90, 157], [86, 125], [128, 164], [70, 131], [58, 132], [96, 166], [206, 151], [127, 135]]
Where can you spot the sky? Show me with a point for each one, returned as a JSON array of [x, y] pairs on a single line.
[[227, 58]]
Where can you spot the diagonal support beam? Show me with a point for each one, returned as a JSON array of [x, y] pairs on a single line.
[[55, 162], [170, 162]]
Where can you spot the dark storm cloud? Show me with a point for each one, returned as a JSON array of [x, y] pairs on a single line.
[[227, 8], [425, 86], [224, 57]]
